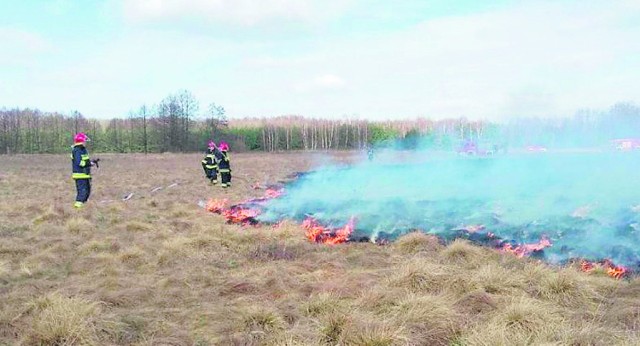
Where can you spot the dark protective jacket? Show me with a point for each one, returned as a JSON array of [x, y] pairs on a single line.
[[209, 161], [80, 162], [224, 165]]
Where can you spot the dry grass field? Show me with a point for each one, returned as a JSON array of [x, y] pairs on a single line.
[[159, 270]]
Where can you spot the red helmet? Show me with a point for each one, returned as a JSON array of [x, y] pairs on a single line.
[[224, 146], [80, 137], [211, 144]]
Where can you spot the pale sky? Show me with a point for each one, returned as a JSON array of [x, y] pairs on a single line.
[[373, 59]]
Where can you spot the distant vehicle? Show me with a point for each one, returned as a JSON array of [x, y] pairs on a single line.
[[627, 144], [536, 149], [472, 148]]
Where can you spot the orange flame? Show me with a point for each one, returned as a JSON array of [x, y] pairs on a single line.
[[321, 234], [273, 193], [216, 205], [237, 214], [240, 215], [313, 230], [614, 271], [526, 249], [587, 266]]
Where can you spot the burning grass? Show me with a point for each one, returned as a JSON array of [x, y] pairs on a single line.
[[156, 269]]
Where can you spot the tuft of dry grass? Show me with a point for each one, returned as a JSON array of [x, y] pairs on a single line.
[[429, 318], [78, 225], [369, 332], [60, 320], [332, 329], [4, 269], [49, 215], [133, 255], [493, 278], [276, 251], [463, 253], [137, 226], [100, 246], [418, 242], [475, 303], [261, 320], [325, 303], [426, 276], [566, 287], [521, 321]]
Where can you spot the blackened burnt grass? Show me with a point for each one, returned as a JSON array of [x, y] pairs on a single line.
[[586, 204]]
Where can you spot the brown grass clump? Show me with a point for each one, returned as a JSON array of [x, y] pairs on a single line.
[[463, 253], [420, 276], [567, 288], [100, 246], [493, 278], [476, 302], [381, 300], [325, 303], [49, 215], [60, 320], [521, 321], [332, 329], [137, 226], [589, 334], [429, 318], [418, 242], [133, 256], [624, 315], [4, 269], [128, 329], [368, 332], [77, 225], [275, 251], [425, 276], [260, 321]]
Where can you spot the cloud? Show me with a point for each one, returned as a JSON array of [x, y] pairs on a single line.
[[321, 83], [329, 81], [59, 7], [23, 40], [534, 59], [242, 12], [529, 59], [20, 47]]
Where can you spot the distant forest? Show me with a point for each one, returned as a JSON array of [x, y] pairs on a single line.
[[178, 124]]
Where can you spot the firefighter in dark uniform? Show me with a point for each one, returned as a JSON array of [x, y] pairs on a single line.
[[81, 169], [370, 153], [209, 164], [224, 164]]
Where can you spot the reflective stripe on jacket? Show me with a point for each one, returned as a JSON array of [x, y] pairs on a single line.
[[80, 162], [209, 161], [223, 159]]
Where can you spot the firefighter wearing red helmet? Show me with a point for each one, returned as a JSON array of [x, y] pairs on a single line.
[[81, 169], [209, 164], [224, 163]]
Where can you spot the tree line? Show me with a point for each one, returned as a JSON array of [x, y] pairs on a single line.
[[178, 124]]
